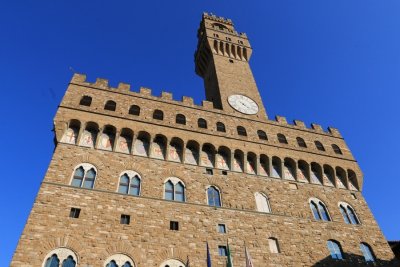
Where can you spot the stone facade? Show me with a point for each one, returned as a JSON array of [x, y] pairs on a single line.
[[147, 240]]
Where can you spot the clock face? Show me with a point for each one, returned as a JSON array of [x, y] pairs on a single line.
[[243, 104]]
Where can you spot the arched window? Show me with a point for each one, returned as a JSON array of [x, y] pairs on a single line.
[[84, 176], [213, 196], [335, 250], [129, 183], [85, 101], [348, 213], [119, 260], [174, 189], [367, 252], [316, 173], [142, 144], [158, 115], [303, 173], [110, 105], [241, 131], [65, 256], [221, 127], [336, 149], [319, 146], [301, 142], [107, 138], [173, 263], [202, 123], [53, 261], [180, 119], [262, 203], [89, 135], [134, 110], [282, 139], [289, 169], [319, 210], [262, 135]]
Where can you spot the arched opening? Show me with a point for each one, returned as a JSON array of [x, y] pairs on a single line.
[[180, 119], [107, 138], [158, 115], [192, 153], [142, 144], [172, 263], [124, 144], [289, 169], [159, 147], [262, 135], [251, 162], [134, 110], [241, 131], [282, 139], [303, 174], [175, 149], [316, 173], [221, 127], [238, 160], [129, 183], [328, 176], [223, 158], [174, 189], [336, 149], [340, 178], [207, 155], [264, 165], [319, 146], [89, 135], [71, 134], [353, 184], [276, 170], [202, 123], [110, 105], [213, 196], [335, 250], [301, 142], [85, 101]]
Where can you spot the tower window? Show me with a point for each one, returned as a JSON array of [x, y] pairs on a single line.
[[110, 105], [202, 123], [216, 35], [231, 60], [241, 131], [134, 110], [221, 127], [262, 135], [221, 228], [319, 146], [367, 252], [174, 189], [282, 139], [222, 251], [336, 149], [125, 219], [319, 210], [158, 115], [74, 213], [301, 142], [85, 101], [173, 225], [84, 176], [213, 196], [180, 119], [335, 250], [273, 245], [228, 39]]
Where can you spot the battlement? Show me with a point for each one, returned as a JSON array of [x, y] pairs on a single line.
[[217, 19], [100, 83]]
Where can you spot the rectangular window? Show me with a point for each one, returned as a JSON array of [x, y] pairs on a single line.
[[273, 245], [293, 186], [221, 228], [224, 173], [74, 213], [173, 225], [125, 219], [353, 196], [209, 171], [222, 251]]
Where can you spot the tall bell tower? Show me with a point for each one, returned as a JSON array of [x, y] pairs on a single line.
[[222, 60]]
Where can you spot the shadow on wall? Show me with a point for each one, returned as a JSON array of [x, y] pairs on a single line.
[[352, 260]]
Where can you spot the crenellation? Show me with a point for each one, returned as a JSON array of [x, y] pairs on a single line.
[[187, 100], [207, 104], [101, 83], [317, 128], [145, 91], [300, 124], [334, 131], [124, 87], [166, 95], [78, 78], [281, 120]]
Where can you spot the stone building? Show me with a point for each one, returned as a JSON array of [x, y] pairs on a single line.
[[147, 181]]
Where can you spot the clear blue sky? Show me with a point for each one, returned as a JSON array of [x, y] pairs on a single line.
[[333, 62]]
